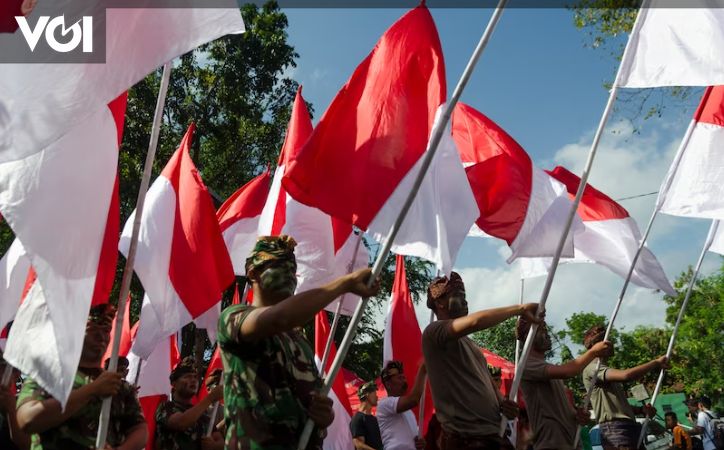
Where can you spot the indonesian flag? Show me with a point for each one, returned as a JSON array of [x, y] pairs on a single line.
[[14, 267], [611, 237], [676, 46], [181, 259], [694, 185], [517, 202], [239, 219], [403, 338], [43, 102], [338, 435], [75, 182], [326, 247], [361, 160], [126, 333]]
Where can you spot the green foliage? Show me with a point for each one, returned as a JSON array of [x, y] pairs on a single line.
[[499, 339]]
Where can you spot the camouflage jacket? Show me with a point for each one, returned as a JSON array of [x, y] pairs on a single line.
[[79, 431], [189, 439], [267, 386]]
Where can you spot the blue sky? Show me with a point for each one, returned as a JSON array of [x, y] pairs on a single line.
[[541, 83]]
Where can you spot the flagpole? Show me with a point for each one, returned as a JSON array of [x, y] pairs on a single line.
[[338, 311], [659, 202], [569, 221], [670, 349], [138, 372], [214, 412], [426, 161], [520, 302], [128, 269]]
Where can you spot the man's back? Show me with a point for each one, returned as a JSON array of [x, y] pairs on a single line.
[[366, 426]]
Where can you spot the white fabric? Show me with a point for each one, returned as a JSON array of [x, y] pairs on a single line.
[[676, 46], [14, 267], [387, 352], [475, 231], [441, 214], [153, 379], [702, 420], [240, 239], [717, 244], [338, 434], [153, 257], [39, 103], [351, 256], [696, 179], [545, 219], [398, 429], [71, 182]]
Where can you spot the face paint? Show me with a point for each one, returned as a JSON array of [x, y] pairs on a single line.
[[278, 279]]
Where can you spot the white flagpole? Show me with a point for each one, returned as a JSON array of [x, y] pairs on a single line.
[[659, 201], [520, 302], [427, 160], [569, 221], [338, 311], [421, 412], [689, 289], [128, 269]]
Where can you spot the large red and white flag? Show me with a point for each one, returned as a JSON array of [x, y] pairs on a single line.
[[517, 201], [325, 246], [181, 259], [42, 102], [239, 219], [361, 160], [677, 44], [338, 435], [403, 338], [694, 185], [610, 237], [14, 267], [75, 182]]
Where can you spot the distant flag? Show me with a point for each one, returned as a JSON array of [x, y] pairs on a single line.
[[517, 202], [181, 260], [74, 255], [360, 162], [677, 44], [610, 237], [239, 219], [402, 336], [64, 96], [694, 185], [338, 435]]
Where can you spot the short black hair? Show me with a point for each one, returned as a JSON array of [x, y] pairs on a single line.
[[706, 401], [671, 414]]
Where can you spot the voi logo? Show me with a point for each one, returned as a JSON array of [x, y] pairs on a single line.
[[80, 33]]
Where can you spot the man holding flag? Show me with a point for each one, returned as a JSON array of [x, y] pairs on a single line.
[[270, 379]]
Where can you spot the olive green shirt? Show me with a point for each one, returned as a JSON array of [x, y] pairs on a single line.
[[608, 399]]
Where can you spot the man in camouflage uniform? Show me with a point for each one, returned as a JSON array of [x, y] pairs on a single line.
[[181, 425], [271, 383], [76, 427]]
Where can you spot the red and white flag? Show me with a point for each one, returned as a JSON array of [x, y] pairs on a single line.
[[338, 435], [325, 246], [14, 267], [75, 182], [181, 259], [403, 338], [42, 102], [360, 162], [676, 45], [126, 333], [517, 201], [610, 237], [694, 185], [239, 219]]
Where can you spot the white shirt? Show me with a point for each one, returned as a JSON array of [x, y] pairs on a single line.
[[704, 421], [398, 429]]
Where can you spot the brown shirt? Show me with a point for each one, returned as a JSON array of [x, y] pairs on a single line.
[[608, 399], [552, 417], [465, 400]]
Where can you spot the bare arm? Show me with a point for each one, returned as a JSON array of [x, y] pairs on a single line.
[[412, 399], [301, 308], [137, 437], [462, 326], [359, 443], [576, 366], [182, 421], [634, 373]]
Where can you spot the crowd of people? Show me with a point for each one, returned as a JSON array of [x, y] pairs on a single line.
[[271, 385]]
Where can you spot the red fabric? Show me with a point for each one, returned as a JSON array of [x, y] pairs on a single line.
[[406, 335], [376, 128], [29, 280], [595, 205], [200, 268], [245, 203], [711, 107], [8, 10], [108, 258], [126, 337], [148, 406], [500, 174], [321, 334]]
